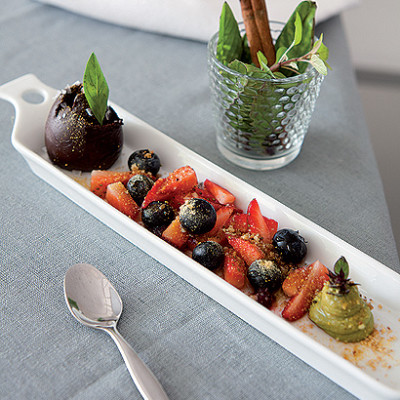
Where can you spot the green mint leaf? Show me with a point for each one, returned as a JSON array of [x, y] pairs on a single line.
[[262, 59], [293, 65], [257, 73], [238, 66], [249, 70], [306, 11], [279, 53], [279, 75], [323, 52], [96, 88], [317, 45], [246, 55], [230, 45], [318, 64], [298, 29], [342, 265], [327, 65]]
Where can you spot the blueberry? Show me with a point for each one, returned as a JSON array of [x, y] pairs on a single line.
[[156, 214], [265, 274], [291, 246], [265, 297], [209, 254], [138, 187], [197, 216], [145, 160]]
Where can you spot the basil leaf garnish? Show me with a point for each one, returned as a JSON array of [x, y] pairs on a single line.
[[96, 88], [306, 11], [342, 265], [230, 45]]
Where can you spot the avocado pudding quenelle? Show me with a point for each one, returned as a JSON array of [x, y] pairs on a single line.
[[340, 310]]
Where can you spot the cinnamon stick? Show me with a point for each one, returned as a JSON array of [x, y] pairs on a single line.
[[264, 31], [251, 30]]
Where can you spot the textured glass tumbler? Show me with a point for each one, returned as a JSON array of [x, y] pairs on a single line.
[[261, 123]]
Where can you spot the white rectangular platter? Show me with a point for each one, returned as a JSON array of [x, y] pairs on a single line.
[[369, 372]]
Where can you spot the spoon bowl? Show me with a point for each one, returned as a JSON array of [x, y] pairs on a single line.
[[94, 302], [91, 297]]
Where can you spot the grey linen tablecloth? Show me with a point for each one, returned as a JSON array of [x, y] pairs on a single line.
[[196, 348]]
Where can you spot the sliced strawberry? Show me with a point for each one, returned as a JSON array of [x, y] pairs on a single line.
[[179, 199], [153, 192], [257, 223], [222, 195], [295, 280], [100, 179], [223, 215], [247, 250], [299, 304], [175, 234], [234, 269], [206, 195], [219, 238], [193, 242], [272, 225], [181, 180], [239, 223], [118, 196]]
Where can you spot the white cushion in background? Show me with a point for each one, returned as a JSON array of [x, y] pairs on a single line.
[[192, 19]]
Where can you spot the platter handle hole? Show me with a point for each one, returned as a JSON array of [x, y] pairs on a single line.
[[33, 96]]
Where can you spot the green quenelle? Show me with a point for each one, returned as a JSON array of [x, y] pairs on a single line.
[[344, 316]]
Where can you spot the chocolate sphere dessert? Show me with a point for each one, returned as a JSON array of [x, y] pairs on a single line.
[[74, 138]]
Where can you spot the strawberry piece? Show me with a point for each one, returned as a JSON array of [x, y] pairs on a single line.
[[175, 234], [193, 241], [222, 195], [206, 195], [100, 179], [299, 304], [118, 196], [239, 222], [272, 225], [179, 199], [247, 250], [223, 215], [258, 224], [295, 280], [153, 192], [180, 181], [234, 269], [219, 238]]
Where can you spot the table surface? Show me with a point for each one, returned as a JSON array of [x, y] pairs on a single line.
[[196, 348]]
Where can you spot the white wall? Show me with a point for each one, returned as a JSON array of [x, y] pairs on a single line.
[[373, 31], [374, 34]]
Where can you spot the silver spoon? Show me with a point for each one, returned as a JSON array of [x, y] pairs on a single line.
[[94, 302]]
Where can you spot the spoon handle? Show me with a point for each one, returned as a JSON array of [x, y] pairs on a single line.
[[145, 381]]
